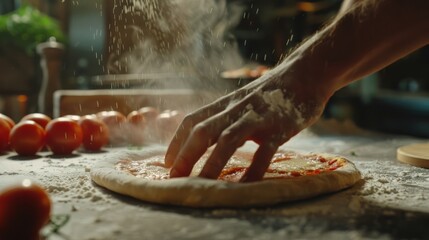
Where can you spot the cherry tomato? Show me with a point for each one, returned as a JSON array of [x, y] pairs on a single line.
[[149, 113], [4, 135], [167, 122], [24, 210], [27, 138], [39, 118], [75, 118], [95, 133], [136, 118], [136, 127], [8, 120], [63, 136], [116, 122]]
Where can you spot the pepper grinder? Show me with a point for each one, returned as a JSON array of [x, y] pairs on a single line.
[[51, 53]]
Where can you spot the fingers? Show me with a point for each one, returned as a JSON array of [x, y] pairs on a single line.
[[185, 128], [206, 134], [231, 139], [260, 163], [200, 139], [180, 137], [193, 149], [199, 131]]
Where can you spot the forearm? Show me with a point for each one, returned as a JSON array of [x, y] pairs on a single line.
[[346, 5], [364, 38]]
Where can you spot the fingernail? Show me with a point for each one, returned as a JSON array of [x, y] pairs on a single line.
[[167, 160], [174, 173]]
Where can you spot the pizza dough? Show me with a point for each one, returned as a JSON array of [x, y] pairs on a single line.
[[152, 185]]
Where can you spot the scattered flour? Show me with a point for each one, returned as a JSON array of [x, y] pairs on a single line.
[[394, 185], [387, 186]]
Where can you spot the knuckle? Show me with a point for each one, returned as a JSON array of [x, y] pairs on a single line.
[[229, 139], [188, 120], [226, 135], [225, 138], [201, 131]]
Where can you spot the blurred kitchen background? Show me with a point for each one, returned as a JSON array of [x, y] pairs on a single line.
[[96, 40]]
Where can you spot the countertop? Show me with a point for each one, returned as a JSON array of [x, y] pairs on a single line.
[[391, 202]]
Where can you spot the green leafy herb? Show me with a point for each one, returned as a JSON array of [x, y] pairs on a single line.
[[26, 27], [55, 224]]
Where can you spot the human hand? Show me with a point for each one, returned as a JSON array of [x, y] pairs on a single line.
[[268, 111]]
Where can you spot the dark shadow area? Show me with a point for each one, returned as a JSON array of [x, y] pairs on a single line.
[[92, 152], [5, 153], [55, 156], [24, 158]]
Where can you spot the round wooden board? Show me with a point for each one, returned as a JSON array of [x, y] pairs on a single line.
[[415, 154]]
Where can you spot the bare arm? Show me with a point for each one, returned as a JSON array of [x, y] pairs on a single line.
[[345, 6], [367, 36]]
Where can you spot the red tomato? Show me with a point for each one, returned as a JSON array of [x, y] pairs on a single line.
[[167, 122], [95, 133], [136, 126], [27, 138], [116, 122], [4, 134], [63, 136], [39, 118], [149, 113], [136, 118], [8, 120], [75, 118], [24, 210]]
